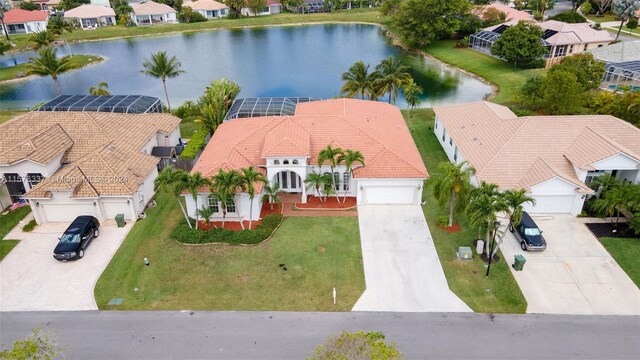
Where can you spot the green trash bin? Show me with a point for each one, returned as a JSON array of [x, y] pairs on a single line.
[[120, 220], [518, 262]]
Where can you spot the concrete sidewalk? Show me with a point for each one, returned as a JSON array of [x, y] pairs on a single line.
[[401, 265]]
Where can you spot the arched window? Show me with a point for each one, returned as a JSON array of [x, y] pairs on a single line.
[[276, 162], [295, 162], [336, 180], [286, 162], [213, 204]]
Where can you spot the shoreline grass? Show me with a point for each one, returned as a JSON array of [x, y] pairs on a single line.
[[11, 73]]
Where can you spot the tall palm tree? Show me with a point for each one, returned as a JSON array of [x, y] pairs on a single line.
[[331, 155], [171, 179], [101, 89], [251, 178], [271, 194], [42, 39], [452, 185], [58, 26], [49, 64], [484, 205], [392, 76], [193, 183], [318, 181], [515, 198], [358, 80], [224, 186], [412, 92], [160, 66], [350, 157]]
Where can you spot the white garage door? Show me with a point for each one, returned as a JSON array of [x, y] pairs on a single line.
[[553, 204], [111, 209], [67, 212], [389, 194]]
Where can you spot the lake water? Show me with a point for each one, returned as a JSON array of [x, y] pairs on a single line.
[[269, 62]]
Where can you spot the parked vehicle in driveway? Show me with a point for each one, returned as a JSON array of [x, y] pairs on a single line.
[[528, 234], [76, 238]]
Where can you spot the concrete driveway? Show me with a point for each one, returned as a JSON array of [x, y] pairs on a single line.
[[32, 280], [575, 275], [402, 269]]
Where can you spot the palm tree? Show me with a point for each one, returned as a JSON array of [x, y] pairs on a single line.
[[271, 194], [49, 64], [101, 89], [350, 157], [215, 103], [58, 26], [319, 181], [485, 202], [331, 155], [613, 201], [193, 183], [252, 177], [42, 39], [358, 80], [206, 212], [452, 185], [412, 92], [171, 179], [224, 187], [392, 76], [515, 198], [604, 183], [161, 67]]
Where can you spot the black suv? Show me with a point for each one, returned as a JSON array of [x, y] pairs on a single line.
[[76, 238], [528, 234]]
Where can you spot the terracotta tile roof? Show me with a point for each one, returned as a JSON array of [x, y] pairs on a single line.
[[376, 129], [19, 16], [102, 151], [205, 5], [152, 8], [521, 152], [89, 12], [286, 139], [512, 14]]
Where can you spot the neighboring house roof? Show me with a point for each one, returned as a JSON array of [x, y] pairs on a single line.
[[102, 152], [89, 12], [376, 129], [512, 14], [152, 8], [205, 5], [273, 2], [620, 52], [19, 16], [524, 151], [561, 33]]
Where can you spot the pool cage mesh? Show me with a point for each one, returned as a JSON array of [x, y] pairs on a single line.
[[483, 41], [267, 106], [622, 74], [129, 104]]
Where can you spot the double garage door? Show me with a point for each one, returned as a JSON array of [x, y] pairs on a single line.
[[553, 204], [398, 194]]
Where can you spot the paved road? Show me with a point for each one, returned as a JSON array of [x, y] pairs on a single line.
[[286, 335]]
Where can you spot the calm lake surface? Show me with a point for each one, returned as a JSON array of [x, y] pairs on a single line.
[[274, 61]]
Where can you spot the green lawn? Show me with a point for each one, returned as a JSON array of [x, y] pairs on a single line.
[[6, 115], [10, 220], [6, 246], [78, 61], [496, 71], [499, 293], [326, 254], [601, 19], [106, 32], [626, 252], [634, 32]]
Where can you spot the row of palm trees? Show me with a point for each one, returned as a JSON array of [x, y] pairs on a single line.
[[223, 187], [325, 184], [614, 196], [451, 185], [389, 77]]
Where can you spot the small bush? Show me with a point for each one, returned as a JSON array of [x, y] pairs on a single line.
[[632, 24], [443, 220], [597, 26], [182, 233], [569, 17], [30, 226]]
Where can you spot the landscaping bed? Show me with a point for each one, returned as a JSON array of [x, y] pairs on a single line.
[[182, 233], [606, 230], [314, 203]]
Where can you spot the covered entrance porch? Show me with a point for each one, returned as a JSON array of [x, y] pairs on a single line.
[[291, 183]]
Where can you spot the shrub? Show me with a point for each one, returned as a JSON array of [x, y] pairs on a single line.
[[569, 17], [462, 43], [632, 24], [271, 221], [597, 26], [182, 233], [197, 142], [443, 220], [30, 226]]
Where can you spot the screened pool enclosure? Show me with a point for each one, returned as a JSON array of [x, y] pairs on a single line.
[[622, 75], [129, 104], [267, 106]]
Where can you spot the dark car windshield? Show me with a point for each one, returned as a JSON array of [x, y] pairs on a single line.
[[70, 238], [531, 231]]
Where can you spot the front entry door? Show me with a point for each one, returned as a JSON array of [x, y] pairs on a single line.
[[289, 181]]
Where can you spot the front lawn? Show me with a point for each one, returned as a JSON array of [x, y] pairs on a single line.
[[505, 76], [626, 252], [499, 293], [608, 17], [77, 61], [318, 254], [6, 246], [11, 219]]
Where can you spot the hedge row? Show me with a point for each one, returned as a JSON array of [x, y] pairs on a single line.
[[182, 233], [197, 142]]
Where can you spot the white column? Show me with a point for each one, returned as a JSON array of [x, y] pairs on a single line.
[[304, 191]]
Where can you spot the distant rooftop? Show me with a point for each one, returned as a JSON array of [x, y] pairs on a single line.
[[620, 52], [128, 104], [265, 106]]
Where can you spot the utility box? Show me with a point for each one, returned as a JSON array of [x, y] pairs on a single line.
[[518, 262], [464, 253], [120, 220]]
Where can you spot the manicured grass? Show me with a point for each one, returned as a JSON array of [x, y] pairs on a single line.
[[498, 72], [6, 246], [10, 220], [107, 32], [6, 115], [319, 254], [499, 293], [601, 19], [626, 252], [634, 32], [78, 61]]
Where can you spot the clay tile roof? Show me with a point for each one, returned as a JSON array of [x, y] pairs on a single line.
[[512, 14], [19, 16], [286, 139], [87, 11], [574, 33], [102, 151], [205, 5], [152, 8], [376, 129]]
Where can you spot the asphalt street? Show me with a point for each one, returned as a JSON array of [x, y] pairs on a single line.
[[288, 335]]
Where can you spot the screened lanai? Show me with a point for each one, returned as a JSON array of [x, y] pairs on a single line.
[[268, 106], [130, 104], [622, 75]]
